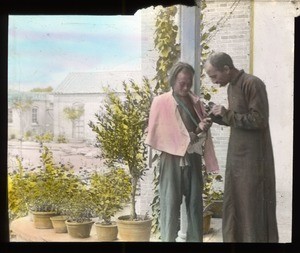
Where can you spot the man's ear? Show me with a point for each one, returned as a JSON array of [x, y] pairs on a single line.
[[226, 69]]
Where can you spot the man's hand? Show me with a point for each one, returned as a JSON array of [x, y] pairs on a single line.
[[218, 110], [194, 138], [205, 124]]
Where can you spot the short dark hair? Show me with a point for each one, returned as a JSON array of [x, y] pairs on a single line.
[[219, 60], [176, 69]]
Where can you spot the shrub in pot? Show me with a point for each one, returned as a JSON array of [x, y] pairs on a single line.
[[51, 186], [212, 196], [42, 190], [79, 209], [19, 183], [111, 191], [120, 135]]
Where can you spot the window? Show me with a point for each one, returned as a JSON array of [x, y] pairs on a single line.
[[35, 115]]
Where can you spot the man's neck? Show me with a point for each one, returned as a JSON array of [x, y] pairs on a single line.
[[234, 73]]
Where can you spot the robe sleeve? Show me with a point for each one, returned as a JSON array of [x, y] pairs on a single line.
[[217, 119], [257, 115]]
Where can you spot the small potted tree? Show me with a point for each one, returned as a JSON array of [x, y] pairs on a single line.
[[120, 135], [79, 210], [111, 191]]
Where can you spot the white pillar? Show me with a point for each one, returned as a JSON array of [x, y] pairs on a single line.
[[190, 53], [190, 40]]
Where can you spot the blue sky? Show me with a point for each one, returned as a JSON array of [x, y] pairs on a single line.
[[44, 49]]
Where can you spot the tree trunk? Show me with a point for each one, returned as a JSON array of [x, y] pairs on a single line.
[[133, 192]]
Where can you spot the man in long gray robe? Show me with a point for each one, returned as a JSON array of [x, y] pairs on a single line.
[[249, 207]]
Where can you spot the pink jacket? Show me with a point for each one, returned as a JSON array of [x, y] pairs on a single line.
[[167, 132]]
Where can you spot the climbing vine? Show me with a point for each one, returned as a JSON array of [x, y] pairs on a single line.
[[207, 33], [167, 46]]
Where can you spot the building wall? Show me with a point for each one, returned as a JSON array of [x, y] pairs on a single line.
[[22, 122], [273, 62], [63, 126]]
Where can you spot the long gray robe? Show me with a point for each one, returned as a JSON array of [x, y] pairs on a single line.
[[249, 207]]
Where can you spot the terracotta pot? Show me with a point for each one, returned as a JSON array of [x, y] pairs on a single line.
[[215, 207], [58, 223], [79, 229], [206, 221], [134, 230], [41, 220], [106, 232]]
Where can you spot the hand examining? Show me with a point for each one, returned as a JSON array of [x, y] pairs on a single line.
[[218, 110]]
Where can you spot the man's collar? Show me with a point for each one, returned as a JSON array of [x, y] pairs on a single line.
[[237, 77]]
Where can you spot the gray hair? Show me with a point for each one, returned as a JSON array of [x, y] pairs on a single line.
[[178, 67], [219, 60]]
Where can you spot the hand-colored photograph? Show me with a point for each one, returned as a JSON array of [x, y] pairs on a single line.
[[160, 126]]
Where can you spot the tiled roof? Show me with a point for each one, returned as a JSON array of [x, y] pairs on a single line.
[[94, 82]]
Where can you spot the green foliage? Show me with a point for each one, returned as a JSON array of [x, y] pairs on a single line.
[[22, 104], [73, 113], [28, 135], [206, 33], [169, 52], [210, 192], [110, 192], [46, 188], [120, 131], [51, 184], [156, 200], [166, 44], [48, 89], [79, 205], [61, 139], [18, 188], [44, 138]]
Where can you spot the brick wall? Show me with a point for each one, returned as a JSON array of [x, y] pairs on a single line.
[[232, 37]]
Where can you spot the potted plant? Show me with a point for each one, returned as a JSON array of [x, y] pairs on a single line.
[[67, 182], [41, 191], [120, 135], [79, 210], [212, 196], [48, 189], [111, 191]]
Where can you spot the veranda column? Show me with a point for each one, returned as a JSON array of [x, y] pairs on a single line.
[[190, 53]]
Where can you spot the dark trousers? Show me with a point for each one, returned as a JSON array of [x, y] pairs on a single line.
[[174, 182]]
